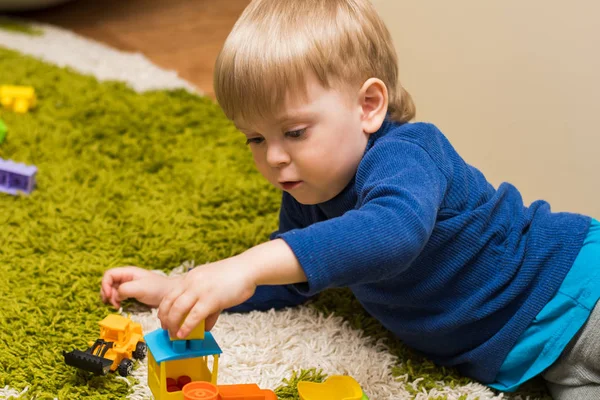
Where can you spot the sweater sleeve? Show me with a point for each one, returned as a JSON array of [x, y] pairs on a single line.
[[400, 190], [278, 296]]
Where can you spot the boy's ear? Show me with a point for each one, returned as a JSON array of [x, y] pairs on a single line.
[[373, 101]]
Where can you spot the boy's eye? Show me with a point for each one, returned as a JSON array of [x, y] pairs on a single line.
[[255, 140], [295, 134]]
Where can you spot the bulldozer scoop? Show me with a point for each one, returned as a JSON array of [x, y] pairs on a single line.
[[87, 362]]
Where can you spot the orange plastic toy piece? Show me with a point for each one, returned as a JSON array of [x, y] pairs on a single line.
[[17, 98], [208, 391], [200, 391]]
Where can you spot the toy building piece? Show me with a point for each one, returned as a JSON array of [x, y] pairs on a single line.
[[3, 131], [200, 391], [196, 334], [16, 177], [20, 99], [120, 342], [336, 387], [249, 391], [169, 360], [208, 391]]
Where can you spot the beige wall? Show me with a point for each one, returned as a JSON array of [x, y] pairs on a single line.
[[515, 85]]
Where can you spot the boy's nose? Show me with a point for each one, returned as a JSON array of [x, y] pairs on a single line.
[[277, 156]]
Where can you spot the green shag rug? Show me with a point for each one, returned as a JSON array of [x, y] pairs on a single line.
[[124, 178]]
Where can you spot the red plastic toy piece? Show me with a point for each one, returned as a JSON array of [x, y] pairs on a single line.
[[183, 380], [173, 388], [171, 382]]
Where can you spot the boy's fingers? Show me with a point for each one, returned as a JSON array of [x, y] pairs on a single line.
[[131, 289], [114, 301], [165, 306], [107, 282], [120, 275], [105, 296], [180, 308], [113, 277], [195, 316], [211, 320]]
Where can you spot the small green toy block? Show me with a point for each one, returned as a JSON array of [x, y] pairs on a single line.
[[3, 131]]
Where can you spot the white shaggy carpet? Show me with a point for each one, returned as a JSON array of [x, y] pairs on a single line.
[[263, 347], [257, 347]]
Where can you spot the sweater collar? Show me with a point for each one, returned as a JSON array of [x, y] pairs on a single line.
[[382, 131], [344, 201]]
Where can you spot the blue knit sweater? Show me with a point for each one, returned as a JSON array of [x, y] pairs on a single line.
[[455, 268]]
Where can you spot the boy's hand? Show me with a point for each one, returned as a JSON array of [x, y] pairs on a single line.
[[203, 293], [132, 282]]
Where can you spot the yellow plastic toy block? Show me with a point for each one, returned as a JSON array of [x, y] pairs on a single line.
[[20, 99], [336, 387], [196, 334]]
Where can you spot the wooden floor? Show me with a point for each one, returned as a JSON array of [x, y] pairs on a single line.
[[183, 35]]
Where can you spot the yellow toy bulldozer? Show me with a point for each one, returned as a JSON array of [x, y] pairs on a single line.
[[121, 340]]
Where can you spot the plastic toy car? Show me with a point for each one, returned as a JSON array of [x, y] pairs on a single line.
[[120, 342]]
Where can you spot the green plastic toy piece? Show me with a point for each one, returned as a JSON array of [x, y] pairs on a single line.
[[3, 131]]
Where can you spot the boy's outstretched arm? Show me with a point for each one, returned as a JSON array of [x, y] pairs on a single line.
[[291, 216], [208, 289], [270, 297]]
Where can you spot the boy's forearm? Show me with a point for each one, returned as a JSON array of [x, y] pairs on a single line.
[[273, 263]]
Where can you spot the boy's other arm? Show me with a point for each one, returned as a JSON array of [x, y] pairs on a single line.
[[273, 263], [281, 295], [400, 191], [210, 288]]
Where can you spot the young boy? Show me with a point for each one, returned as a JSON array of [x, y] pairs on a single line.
[[457, 269]]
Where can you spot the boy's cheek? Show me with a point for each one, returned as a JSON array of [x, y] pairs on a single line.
[[266, 173]]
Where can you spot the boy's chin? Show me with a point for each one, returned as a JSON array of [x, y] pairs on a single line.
[[310, 200]]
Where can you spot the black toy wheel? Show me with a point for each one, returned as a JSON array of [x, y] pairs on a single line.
[[140, 351], [125, 367]]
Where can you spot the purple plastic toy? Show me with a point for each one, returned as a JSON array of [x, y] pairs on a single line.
[[16, 177]]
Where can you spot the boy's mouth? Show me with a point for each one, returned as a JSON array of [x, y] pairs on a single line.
[[290, 185]]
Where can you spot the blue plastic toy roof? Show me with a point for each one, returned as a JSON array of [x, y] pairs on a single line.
[[159, 344]]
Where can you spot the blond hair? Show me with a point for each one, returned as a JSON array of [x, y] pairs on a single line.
[[275, 43]]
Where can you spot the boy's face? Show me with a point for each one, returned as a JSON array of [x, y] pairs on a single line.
[[313, 149]]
